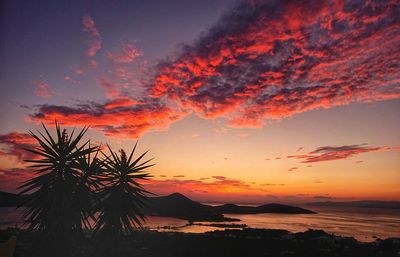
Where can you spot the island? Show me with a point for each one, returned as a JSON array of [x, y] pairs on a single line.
[[177, 205]]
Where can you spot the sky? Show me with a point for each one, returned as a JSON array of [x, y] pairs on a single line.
[[248, 101]]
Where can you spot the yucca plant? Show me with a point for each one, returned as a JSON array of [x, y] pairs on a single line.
[[91, 167], [59, 198], [121, 200]]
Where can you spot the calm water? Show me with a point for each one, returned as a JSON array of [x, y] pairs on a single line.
[[361, 223]]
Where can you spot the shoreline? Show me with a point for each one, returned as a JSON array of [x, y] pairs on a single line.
[[233, 242], [350, 224]]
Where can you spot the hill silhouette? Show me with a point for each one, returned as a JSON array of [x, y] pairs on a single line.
[[266, 208], [177, 205], [9, 199]]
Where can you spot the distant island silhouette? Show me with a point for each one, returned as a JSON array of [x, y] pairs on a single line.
[[177, 205], [359, 204]]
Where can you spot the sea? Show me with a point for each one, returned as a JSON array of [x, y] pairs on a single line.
[[364, 224]]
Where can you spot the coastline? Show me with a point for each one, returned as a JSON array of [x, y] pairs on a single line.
[[232, 242], [348, 223]]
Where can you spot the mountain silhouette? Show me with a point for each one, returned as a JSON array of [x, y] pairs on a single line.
[[10, 199], [179, 206], [266, 208]]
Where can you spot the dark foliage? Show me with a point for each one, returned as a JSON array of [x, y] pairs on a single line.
[[59, 200], [121, 200], [72, 188]]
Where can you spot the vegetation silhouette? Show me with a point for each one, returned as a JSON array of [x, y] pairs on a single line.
[[121, 201], [72, 186]]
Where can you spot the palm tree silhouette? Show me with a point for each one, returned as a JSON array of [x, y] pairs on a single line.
[[92, 168], [122, 199], [73, 186], [59, 201]]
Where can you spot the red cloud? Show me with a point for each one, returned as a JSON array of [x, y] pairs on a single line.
[[15, 142], [331, 153], [94, 42], [43, 89], [113, 118], [263, 60], [268, 60]]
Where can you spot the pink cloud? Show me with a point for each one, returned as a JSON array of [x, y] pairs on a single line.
[[11, 179], [14, 143], [94, 41], [331, 153], [127, 53], [90, 65], [113, 90], [43, 89]]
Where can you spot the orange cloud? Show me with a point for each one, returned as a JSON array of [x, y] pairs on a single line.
[[218, 184], [122, 101], [215, 188]]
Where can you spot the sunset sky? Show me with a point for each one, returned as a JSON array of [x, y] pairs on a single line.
[[239, 101]]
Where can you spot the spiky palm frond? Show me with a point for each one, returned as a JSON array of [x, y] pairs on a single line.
[[122, 200], [58, 199], [123, 197], [92, 168]]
